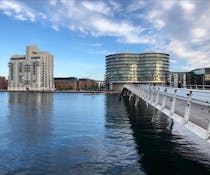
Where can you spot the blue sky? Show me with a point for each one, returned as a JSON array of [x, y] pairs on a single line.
[[80, 33]]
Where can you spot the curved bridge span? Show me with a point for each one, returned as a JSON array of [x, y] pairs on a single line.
[[191, 108]]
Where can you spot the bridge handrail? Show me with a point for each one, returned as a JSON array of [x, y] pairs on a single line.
[[198, 96], [151, 94]]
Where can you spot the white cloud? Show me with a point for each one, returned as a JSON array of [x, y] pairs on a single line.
[[179, 27], [20, 10], [199, 34], [17, 9], [114, 5], [95, 19], [187, 6], [168, 4], [53, 2], [95, 45], [135, 5], [98, 7], [194, 58], [173, 61]]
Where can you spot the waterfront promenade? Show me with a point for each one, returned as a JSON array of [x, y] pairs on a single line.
[[189, 107]]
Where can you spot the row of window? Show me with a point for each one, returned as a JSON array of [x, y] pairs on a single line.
[[135, 60], [138, 55], [127, 64], [140, 68], [163, 79], [27, 68]]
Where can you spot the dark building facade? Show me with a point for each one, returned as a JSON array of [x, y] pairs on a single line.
[[199, 77]]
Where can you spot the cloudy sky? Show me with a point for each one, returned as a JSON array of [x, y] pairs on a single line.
[[81, 32]]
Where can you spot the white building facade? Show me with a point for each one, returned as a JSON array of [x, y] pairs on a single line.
[[31, 72], [176, 77]]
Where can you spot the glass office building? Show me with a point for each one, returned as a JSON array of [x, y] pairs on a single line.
[[143, 68], [199, 77]]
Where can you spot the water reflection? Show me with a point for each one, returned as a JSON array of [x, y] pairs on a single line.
[[30, 117], [120, 144], [162, 150], [44, 133], [28, 133], [30, 98]]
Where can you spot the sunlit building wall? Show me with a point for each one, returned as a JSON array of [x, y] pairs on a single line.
[[32, 71], [143, 68]]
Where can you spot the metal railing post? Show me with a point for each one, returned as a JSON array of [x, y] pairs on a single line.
[[152, 96], [149, 93], [164, 99], [187, 110], [157, 96], [208, 132], [173, 105], [144, 92], [130, 96], [139, 91], [136, 101]]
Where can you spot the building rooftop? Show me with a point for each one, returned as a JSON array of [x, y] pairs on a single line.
[[146, 52], [17, 57], [65, 79]]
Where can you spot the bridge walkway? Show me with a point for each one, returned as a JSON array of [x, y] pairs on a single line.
[[186, 106]]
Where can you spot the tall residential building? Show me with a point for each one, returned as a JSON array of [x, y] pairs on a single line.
[[32, 71], [147, 68]]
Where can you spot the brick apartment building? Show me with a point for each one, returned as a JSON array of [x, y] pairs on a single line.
[[86, 84], [3, 83], [72, 83], [68, 83]]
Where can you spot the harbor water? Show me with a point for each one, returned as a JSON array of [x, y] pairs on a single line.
[[75, 133]]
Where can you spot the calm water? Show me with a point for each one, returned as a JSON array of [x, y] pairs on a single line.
[[63, 133]]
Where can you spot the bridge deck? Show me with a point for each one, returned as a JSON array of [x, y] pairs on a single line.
[[197, 103]]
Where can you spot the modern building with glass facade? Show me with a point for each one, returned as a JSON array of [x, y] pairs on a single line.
[[143, 68], [199, 77], [32, 71]]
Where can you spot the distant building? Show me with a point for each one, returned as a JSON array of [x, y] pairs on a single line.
[[143, 68], [68, 83], [32, 71], [3, 83], [100, 84], [86, 84], [199, 77], [178, 78]]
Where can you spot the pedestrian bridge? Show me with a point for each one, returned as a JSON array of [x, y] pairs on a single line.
[[191, 108]]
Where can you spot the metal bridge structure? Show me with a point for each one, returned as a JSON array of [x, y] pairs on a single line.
[[189, 107]]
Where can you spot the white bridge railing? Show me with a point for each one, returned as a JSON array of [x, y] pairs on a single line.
[[186, 106]]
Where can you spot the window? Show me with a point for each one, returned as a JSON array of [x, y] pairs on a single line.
[[34, 68], [11, 71], [20, 67]]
